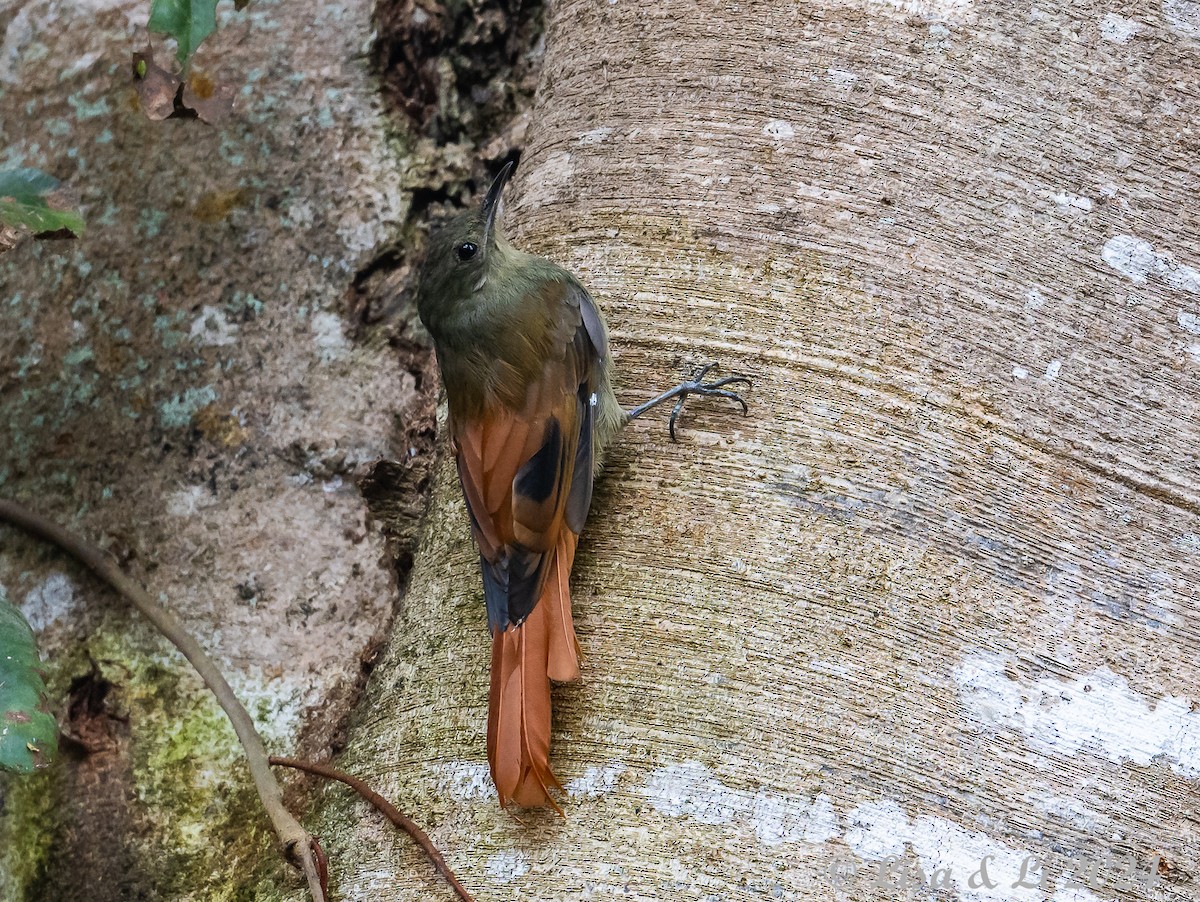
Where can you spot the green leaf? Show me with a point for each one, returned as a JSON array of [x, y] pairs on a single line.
[[28, 735], [187, 21], [22, 203], [26, 183]]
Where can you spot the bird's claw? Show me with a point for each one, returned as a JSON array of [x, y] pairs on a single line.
[[697, 386]]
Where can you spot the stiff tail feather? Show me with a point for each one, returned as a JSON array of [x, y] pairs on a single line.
[[524, 659]]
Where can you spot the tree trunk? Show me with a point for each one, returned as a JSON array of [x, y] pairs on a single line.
[[932, 598], [927, 606]]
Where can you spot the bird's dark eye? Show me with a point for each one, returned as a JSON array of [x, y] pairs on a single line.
[[466, 250]]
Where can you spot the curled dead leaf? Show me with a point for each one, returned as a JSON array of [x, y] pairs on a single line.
[[211, 101], [163, 94], [157, 88]]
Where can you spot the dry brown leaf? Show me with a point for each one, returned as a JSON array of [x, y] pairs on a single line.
[[210, 100], [157, 87]]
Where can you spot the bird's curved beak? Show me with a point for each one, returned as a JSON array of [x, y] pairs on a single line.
[[491, 203]]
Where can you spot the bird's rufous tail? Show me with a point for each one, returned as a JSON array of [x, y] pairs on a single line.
[[524, 660]]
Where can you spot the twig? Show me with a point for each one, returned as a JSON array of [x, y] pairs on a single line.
[[296, 842], [388, 810]]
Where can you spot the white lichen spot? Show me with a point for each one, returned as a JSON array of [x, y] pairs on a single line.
[[594, 136], [769, 209], [507, 865], [50, 601], [1188, 541], [1065, 808], [187, 502], [596, 781], [463, 781], [278, 702], [1118, 29], [944, 847], [949, 855], [80, 64], [690, 790], [211, 328], [1189, 322], [1185, 278], [1097, 712], [1183, 16], [779, 819], [1019, 372], [93, 7], [1034, 299], [330, 338], [1129, 256], [18, 35], [299, 215], [1053, 368], [177, 412], [833, 668], [1136, 258], [877, 830], [1072, 201], [843, 78], [361, 228], [822, 822], [779, 130]]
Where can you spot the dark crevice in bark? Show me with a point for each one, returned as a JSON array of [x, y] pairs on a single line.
[[459, 70]]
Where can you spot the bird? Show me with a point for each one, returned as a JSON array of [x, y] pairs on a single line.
[[523, 352]]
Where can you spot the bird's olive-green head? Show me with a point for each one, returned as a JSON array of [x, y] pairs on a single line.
[[463, 257], [497, 315]]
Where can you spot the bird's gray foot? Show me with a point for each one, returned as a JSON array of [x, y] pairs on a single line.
[[695, 386]]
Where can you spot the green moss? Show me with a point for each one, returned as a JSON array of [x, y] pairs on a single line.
[[26, 838], [190, 775], [202, 832]]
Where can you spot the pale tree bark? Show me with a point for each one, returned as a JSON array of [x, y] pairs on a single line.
[[934, 597]]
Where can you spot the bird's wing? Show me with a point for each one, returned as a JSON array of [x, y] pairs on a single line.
[[527, 473]]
